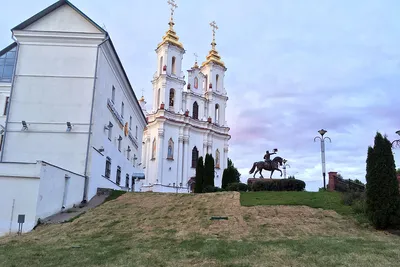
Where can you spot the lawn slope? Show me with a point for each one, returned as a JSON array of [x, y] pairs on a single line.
[[154, 229]]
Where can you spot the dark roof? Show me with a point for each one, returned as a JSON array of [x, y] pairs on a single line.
[[50, 9], [8, 48], [126, 77]]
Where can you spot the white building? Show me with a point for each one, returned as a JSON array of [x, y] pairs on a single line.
[[71, 107], [187, 120]]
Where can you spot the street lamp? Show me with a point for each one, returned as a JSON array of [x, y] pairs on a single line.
[[396, 143], [284, 168], [322, 138]]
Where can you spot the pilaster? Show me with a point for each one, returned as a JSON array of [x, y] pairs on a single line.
[[160, 154]]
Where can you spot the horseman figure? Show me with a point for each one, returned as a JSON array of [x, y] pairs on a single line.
[[267, 164], [267, 158]]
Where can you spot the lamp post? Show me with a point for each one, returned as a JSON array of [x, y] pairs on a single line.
[[322, 132], [284, 168], [396, 143]]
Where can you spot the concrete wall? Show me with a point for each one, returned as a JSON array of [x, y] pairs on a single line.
[[59, 190]]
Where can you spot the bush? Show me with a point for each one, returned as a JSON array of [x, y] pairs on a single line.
[[209, 171], [278, 185], [199, 179], [212, 189], [241, 187], [349, 198]]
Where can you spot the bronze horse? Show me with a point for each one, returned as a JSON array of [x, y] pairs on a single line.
[[271, 166]]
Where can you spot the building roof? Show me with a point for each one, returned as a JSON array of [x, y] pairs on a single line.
[[50, 9]]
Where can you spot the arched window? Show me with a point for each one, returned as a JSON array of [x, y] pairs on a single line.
[[216, 119], [171, 97], [206, 83], [153, 151], [158, 98], [195, 111], [170, 154], [173, 65], [196, 82], [161, 65], [195, 157], [217, 160], [216, 82]]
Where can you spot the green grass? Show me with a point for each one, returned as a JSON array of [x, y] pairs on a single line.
[[323, 200], [114, 195]]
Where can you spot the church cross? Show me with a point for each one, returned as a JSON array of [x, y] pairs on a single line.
[[215, 27], [195, 56], [142, 92], [173, 6]]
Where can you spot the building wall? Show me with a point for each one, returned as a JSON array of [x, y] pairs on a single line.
[[19, 186], [59, 190], [109, 75], [4, 93]]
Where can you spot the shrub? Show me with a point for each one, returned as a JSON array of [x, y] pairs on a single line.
[[382, 185], [209, 171], [278, 185], [237, 187], [198, 186], [211, 189], [349, 198]]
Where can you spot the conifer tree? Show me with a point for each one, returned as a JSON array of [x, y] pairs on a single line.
[[209, 173], [199, 179], [382, 185]]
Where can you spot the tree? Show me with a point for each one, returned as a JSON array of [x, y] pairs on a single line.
[[398, 171], [382, 186], [230, 175], [209, 171], [236, 173], [198, 187], [291, 177]]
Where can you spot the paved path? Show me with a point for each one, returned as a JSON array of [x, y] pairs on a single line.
[[73, 212]]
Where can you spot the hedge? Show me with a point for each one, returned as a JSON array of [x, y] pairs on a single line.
[[276, 185], [237, 187]]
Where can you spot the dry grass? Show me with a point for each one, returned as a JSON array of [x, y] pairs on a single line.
[[153, 229]]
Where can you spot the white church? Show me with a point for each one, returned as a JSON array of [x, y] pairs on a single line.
[[187, 119], [70, 122]]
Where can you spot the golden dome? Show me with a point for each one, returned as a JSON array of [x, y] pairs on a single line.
[[213, 55]]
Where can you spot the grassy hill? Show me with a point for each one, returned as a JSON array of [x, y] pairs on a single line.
[[153, 229]]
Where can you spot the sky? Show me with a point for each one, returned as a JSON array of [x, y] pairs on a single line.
[[294, 67]]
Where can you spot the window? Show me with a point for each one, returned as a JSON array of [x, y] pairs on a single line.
[[122, 109], [7, 63], [171, 97], [134, 160], [196, 82], [6, 105], [127, 181], [1, 141], [170, 154], [195, 111], [136, 132], [161, 65], [195, 157], [173, 65], [217, 159], [216, 82], [206, 83], [113, 94], [110, 126], [130, 123], [108, 168], [153, 151], [128, 152], [118, 178], [216, 113], [158, 98], [119, 143]]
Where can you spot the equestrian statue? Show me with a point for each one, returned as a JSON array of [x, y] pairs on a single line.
[[267, 164]]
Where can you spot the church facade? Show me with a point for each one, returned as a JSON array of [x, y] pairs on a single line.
[[187, 119]]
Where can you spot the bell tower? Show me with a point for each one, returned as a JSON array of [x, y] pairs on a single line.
[[168, 81]]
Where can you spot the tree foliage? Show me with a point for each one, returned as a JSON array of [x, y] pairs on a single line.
[[382, 186], [209, 171], [230, 175], [198, 187]]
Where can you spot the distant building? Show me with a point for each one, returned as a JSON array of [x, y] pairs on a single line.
[[70, 120]]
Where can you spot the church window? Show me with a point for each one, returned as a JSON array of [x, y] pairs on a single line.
[[110, 130], [128, 152], [173, 65], [195, 157], [153, 151], [1, 141], [170, 149], [6, 105], [216, 113], [119, 143], [7, 63], [130, 122], [108, 168], [195, 111], [196, 82], [118, 178], [217, 159], [113, 94], [206, 83], [216, 82], [122, 109], [161, 64], [158, 98], [134, 160], [171, 97], [127, 181], [136, 132]]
